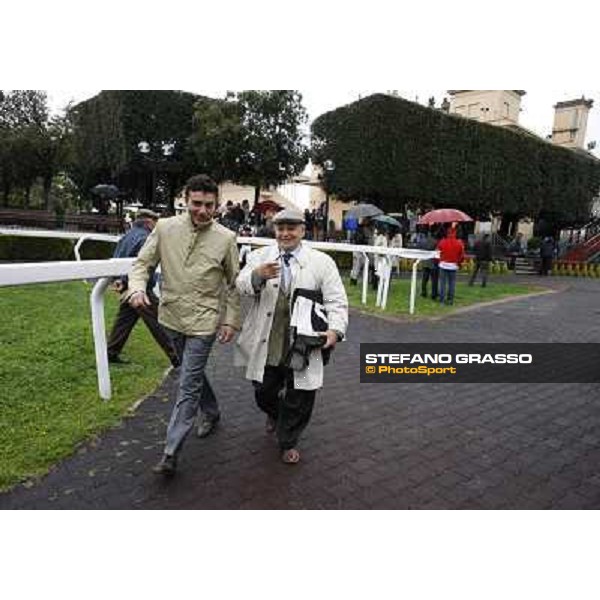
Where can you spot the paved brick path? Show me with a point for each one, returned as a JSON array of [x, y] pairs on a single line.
[[371, 446]]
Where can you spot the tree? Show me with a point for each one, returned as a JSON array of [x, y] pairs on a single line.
[[23, 128], [55, 154], [107, 131], [23, 108], [253, 137], [218, 137]]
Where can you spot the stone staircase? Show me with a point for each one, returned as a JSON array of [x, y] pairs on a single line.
[[524, 266]]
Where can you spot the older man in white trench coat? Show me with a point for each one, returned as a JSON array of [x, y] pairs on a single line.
[[299, 313]]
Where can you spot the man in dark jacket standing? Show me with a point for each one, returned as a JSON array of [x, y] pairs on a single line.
[[430, 267], [483, 258], [128, 247], [546, 254]]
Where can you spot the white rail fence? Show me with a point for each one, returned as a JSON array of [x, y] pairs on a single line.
[[103, 271]]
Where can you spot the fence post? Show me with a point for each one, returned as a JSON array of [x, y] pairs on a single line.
[[365, 282], [413, 286], [386, 283], [80, 241], [97, 305]]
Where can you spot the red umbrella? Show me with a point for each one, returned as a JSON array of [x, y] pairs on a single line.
[[444, 215], [266, 205]]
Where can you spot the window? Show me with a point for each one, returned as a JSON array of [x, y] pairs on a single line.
[[474, 111]]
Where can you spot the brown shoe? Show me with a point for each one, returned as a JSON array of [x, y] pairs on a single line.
[[291, 456]]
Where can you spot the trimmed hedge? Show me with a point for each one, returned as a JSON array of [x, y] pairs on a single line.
[[15, 248], [392, 151], [343, 260]]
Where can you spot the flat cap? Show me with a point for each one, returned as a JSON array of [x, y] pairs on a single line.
[[288, 216], [146, 212]]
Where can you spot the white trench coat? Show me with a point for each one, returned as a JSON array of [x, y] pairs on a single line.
[[313, 270]]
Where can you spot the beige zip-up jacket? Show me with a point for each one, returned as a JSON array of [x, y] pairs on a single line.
[[199, 267]]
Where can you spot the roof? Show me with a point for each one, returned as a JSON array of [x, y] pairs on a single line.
[[579, 102], [453, 92]]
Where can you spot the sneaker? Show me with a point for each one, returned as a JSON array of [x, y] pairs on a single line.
[[166, 466], [206, 425]]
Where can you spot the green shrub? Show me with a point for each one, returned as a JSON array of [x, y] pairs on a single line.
[[96, 250], [15, 248], [343, 260]]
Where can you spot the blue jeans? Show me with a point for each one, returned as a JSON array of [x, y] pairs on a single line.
[[194, 391], [447, 281]]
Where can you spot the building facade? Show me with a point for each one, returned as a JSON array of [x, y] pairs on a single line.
[[570, 123], [497, 107]]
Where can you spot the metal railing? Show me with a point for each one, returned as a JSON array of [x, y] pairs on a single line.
[[103, 271]]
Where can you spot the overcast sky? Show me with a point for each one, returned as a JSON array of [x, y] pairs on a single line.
[[537, 115]]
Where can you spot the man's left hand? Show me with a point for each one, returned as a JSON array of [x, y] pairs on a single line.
[[331, 338], [225, 334]]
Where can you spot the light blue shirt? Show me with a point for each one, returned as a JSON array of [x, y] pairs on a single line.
[[286, 258]]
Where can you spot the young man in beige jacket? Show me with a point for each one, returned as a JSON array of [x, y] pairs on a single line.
[[199, 265]]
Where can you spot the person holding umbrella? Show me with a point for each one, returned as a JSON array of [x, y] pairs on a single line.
[[452, 254], [452, 251]]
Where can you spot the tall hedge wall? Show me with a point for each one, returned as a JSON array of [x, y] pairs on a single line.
[[393, 151], [108, 128]]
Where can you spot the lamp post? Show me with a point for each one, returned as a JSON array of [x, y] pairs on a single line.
[[166, 150], [329, 167]]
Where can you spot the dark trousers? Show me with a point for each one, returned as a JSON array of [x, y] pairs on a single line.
[[126, 319], [291, 409], [484, 267], [433, 274], [545, 266]]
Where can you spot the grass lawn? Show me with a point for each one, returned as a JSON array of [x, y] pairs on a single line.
[[49, 401], [399, 296]]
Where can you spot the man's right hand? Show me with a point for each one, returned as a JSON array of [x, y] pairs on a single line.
[[269, 270], [139, 300]]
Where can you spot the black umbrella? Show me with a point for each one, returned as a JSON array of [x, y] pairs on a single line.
[[387, 220], [106, 191]]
